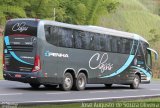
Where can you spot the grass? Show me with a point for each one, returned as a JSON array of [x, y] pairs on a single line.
[[94, 104]]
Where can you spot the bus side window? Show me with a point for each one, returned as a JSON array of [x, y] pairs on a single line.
[[48, 33], [119, 45], [108, 42], [51, 34], [78, 39], [134, 45], [91, 44], [103, 43], [54, 35], [128, 46], [87, 40], [97, 42], [123, 45], [65, 37], [114, 44]]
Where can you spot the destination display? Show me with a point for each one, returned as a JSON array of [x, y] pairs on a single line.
[[21, 28]]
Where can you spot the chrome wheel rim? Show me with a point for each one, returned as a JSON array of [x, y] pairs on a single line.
[[136, 82], [67, 82], [81, 82]]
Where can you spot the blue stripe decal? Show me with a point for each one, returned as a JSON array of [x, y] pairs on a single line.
[[6, 39], [125, 66], [143, 70]]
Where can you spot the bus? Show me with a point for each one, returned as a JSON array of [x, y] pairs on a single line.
[[55, 54]]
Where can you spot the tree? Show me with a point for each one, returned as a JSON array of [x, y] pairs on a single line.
[[69, 11], [12, 9]]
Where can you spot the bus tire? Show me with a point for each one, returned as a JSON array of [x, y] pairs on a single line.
[[67, 82], [108, 85], [50, 86], [81, 81], [135, 83], [35, 86]]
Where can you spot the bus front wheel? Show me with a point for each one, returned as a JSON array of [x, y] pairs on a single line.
[[81, 81], [135, 83], [67, 82]]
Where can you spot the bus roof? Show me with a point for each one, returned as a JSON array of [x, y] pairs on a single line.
[[89, 28]]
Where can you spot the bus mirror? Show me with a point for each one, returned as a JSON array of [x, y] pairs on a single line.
[[155, 52], [156, 56]]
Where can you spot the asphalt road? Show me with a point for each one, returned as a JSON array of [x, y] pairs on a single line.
[[15, 92]]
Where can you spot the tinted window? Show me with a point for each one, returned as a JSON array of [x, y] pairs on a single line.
[[72, 38], [103, 43], [51, 34], [126, 45], [65, 37], [119, 44], [134, 45], [114, 44], [97, 45], [23, 27], [83, 40], [79, 38], [108, 43], [59, 36], [87, 40]]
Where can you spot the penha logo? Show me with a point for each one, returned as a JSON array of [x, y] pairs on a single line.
[[20, 27], [100, 62], [48, 54]]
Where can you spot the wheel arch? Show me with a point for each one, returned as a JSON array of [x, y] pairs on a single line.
[[71, 71], [83, 70]]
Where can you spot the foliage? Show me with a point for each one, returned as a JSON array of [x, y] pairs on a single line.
[[12, 9], [70, 11]]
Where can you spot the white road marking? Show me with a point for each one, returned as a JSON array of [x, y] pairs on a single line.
[[11, 94], [90, 99], [152, 84], [114, 91], [58, 93], [98, 91], [155, 89], [130, 90]]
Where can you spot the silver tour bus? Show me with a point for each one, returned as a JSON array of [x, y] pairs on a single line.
[[50, 53]]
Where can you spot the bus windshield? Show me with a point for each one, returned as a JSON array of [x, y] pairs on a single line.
[[21, 28]]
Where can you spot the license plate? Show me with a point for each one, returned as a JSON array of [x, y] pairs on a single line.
[[18, 76]]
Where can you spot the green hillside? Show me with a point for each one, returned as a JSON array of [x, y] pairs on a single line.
[[132, 16], [137, 16]]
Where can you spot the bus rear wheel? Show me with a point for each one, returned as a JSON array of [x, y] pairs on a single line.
[[81, 82], [35, 86], [135, 83], [67, 82]]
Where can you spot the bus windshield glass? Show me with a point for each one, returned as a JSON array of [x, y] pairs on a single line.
[[21, 28]]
